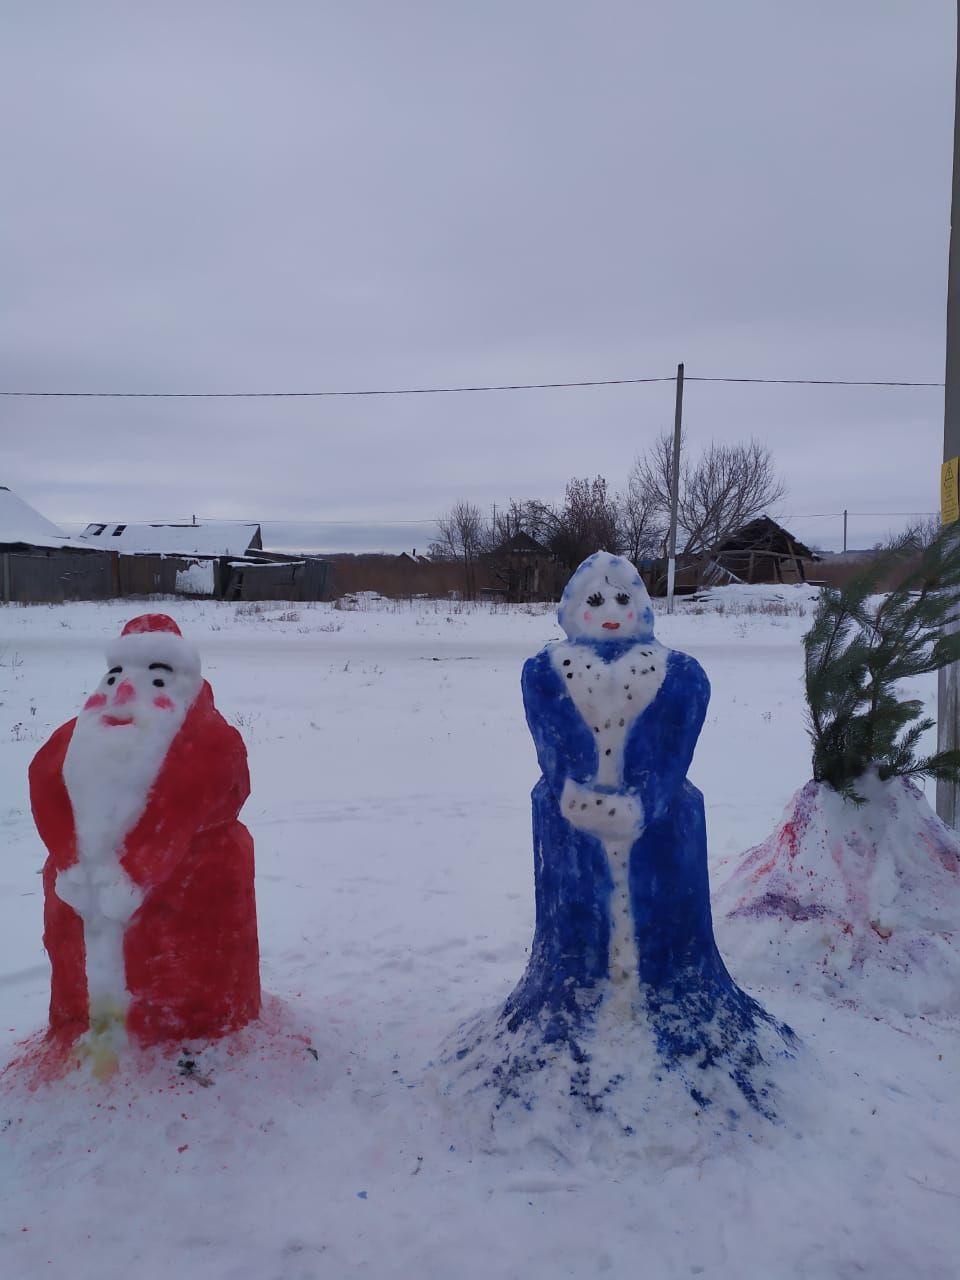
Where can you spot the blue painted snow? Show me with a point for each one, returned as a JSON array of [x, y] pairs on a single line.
[[699, 1017]]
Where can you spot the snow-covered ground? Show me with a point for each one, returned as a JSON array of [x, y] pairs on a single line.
[[391, 772]]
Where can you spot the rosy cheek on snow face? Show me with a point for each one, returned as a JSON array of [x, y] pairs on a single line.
[[630, 617], [163, 702], [588, 616], [97, 700]]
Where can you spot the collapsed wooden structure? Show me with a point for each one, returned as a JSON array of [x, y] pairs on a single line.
[[761, 551]]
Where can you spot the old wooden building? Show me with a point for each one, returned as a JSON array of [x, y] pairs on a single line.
[[761, 551]]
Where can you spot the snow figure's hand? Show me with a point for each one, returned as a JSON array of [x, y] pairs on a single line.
[[609, 815], [119, 899], [73, 888]]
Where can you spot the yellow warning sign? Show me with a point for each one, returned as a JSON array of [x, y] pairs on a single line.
[[949, 491]]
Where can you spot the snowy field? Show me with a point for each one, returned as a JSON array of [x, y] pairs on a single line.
[[391, 772]]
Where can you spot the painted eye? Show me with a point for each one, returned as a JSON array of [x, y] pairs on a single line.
[[159, 683], [595, 601], [112, 680], [623, 598]]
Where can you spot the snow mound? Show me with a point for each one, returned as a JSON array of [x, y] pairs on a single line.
[[858, 903], [276, 1046], [613, 1095]]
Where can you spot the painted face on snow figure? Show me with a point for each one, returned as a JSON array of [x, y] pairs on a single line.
[[606, 600], [126, 728], [147, 683]]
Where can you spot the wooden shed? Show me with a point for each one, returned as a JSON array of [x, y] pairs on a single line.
[[40, 564], [762, 551]]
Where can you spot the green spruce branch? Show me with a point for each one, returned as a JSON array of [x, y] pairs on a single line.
[[861, 645]]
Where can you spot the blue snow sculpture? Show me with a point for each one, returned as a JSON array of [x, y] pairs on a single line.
[[624, 942]]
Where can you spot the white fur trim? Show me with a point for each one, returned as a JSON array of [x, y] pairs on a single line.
[[144, 647]]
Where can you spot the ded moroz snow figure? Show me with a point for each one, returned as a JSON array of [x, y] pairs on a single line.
[[149, 915], [625, 989]]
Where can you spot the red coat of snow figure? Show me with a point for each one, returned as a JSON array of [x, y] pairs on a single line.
[[149, 910]]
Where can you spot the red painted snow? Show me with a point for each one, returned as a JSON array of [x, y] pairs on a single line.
[[148, 622], [861, 903], [124, 693], [191, 950]]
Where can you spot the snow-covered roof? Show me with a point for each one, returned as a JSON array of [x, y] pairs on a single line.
[[217, 539], [20, 523]]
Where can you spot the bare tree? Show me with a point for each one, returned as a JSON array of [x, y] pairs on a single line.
[[507, 521], [585, 522], [463, 536], [917, 536], [725, 488], [642, 531]]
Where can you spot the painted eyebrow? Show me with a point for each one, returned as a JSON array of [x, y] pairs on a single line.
[[114, 671], [160, 666]]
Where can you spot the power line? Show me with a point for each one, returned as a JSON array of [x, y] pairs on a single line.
[[293, 520], [819, 382], [829, 515], [308, 395], [434, 391]]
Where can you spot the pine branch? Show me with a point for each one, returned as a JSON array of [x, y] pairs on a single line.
[[857, 651]]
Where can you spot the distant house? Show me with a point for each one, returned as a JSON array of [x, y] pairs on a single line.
[[203, 541], [523, 569], [761, 551], [223, 559], [22, 526], [40, 564]]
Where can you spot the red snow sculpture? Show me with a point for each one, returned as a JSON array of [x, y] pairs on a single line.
[[149, 909]]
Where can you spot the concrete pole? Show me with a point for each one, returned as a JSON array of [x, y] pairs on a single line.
[[674, 491], [948, 707], [844, 531]]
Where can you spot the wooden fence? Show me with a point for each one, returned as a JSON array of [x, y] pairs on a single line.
[[52, 578], [40, 577]]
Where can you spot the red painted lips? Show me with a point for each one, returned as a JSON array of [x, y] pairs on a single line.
[[611, 626]]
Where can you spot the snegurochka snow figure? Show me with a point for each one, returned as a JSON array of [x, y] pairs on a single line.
[[149, 909], [624, 977]]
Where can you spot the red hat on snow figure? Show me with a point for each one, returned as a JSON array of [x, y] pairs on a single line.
[[149, 910]]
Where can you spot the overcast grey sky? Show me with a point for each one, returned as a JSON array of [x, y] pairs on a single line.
[[303, 195]]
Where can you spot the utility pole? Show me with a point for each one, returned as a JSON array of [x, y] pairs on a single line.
[[844, 530], [675, 490], [948, 701]]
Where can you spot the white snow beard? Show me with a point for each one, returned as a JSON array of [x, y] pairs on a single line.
[[109, 772]]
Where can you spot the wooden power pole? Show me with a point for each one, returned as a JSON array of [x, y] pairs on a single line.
[[675, 489], [948, 707]]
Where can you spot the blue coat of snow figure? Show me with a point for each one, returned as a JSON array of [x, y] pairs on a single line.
[[623, 950]]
